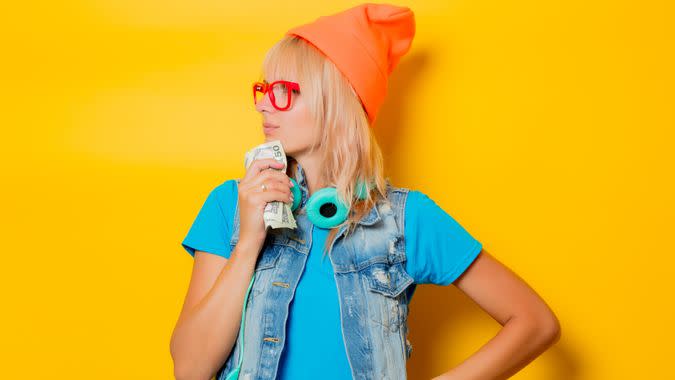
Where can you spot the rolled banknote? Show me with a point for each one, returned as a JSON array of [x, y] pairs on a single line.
[[277, 214]]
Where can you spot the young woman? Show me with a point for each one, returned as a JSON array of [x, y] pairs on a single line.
[[332, 302]]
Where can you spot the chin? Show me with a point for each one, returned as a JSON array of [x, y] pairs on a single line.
[[272, 137]]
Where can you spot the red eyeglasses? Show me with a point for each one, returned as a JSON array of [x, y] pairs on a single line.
[[280, 93]]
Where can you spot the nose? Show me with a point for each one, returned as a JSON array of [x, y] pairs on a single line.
[[264, 104]]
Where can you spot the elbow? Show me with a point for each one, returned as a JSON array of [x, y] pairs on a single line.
[[180, 370], [548, 329], [186, 366], [187, 370], [187, 374], [552, 330], [179, 374], [542, 328]]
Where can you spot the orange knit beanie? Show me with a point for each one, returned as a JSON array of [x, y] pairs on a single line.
[[365, 43]]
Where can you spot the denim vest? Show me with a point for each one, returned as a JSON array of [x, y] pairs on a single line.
[[373, 289]]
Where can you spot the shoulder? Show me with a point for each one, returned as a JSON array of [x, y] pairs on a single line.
[[391, 188], [226, 189], [405, 196], [407, 202], [414, 205], [224, 196], [395, 194]]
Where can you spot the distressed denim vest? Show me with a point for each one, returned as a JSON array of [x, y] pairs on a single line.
[[373, 289]]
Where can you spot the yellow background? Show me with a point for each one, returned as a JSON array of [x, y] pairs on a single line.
[[544, 127]]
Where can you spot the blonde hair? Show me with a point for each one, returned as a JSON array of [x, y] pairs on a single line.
[[350, 151]]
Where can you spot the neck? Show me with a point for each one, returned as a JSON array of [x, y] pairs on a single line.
[[311, 167]]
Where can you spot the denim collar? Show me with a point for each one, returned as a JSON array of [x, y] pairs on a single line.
[[302, 181]]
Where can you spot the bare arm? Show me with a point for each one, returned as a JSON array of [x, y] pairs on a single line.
[[211, 316], [529, 325]]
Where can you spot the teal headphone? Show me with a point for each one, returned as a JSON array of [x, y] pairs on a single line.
[[324, 210]]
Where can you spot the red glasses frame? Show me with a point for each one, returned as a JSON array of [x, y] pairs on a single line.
[[264, 88]]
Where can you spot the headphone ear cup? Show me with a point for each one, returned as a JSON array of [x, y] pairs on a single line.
[[297, 195], [324, 209]]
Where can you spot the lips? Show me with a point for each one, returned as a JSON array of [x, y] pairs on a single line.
[[268, 128]]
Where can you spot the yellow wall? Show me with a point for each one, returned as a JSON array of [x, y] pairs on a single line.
[[544, 127]]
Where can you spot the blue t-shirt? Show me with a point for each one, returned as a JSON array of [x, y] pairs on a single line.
[[438, 251]]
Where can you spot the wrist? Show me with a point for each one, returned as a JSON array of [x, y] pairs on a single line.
[[248, 247]]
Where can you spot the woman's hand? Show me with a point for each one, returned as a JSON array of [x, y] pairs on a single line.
[[252, 198]]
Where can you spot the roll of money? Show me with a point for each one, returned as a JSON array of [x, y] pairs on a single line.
[[277, 214]]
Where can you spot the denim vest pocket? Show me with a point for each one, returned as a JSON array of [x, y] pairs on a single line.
[[268, 257], [386, 299], [388, 279]]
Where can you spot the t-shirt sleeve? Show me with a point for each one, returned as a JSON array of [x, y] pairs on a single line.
[[212, 228], [438, 248]]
